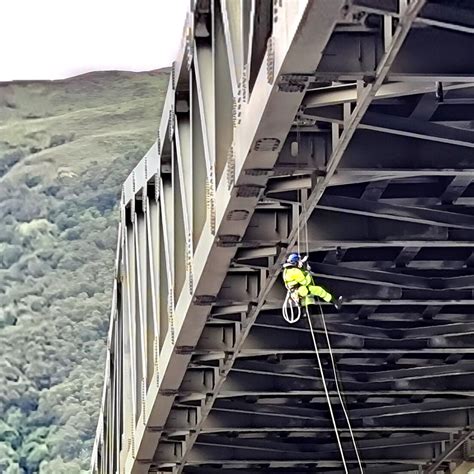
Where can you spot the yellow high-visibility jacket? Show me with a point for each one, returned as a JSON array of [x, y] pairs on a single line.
[[294, 276], [301, 280]]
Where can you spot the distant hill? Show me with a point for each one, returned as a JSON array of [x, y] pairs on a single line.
[[65, 148]]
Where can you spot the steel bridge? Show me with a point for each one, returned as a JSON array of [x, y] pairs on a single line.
[[355, 118]]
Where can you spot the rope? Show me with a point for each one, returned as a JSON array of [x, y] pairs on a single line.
[[298, 167], [339, 393], [306, 231], [291, 319], [328, 398], [288, 310]]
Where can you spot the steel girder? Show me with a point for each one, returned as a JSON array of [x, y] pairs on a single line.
[[328, 114]]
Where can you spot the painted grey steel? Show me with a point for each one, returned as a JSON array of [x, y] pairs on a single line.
[[279, 115]]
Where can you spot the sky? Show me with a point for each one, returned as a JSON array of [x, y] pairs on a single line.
[[55, 39]]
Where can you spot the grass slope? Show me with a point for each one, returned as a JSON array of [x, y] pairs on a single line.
[[65, 148]]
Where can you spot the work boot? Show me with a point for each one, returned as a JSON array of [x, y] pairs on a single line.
[[337, 302]]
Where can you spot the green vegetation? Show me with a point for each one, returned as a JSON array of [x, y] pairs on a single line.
[[65, 149]]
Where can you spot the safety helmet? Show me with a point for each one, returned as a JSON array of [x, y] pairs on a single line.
[[293, 258]]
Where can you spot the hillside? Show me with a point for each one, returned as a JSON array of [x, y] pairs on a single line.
[[65, 148]]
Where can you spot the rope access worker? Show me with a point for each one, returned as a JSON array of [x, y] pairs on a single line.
[[299, 282]]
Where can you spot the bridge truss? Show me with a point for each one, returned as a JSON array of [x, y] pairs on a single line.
[[356, 118]]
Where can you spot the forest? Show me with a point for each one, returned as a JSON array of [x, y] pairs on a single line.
[[65, 149]]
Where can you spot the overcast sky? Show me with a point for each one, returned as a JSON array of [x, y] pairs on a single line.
[[54, 39]]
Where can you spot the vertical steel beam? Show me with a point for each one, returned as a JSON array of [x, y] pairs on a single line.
[[200, 162], [204, 93], [184, 170], [232, 23], [118, 412], [141, 321], [222, 79], [129, 414], [153, 333], [165, 280], [178, 258], [167, 226]]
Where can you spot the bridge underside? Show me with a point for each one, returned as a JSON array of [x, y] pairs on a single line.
[[377, 159]]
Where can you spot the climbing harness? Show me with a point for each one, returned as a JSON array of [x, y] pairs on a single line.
[[291, 311]]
